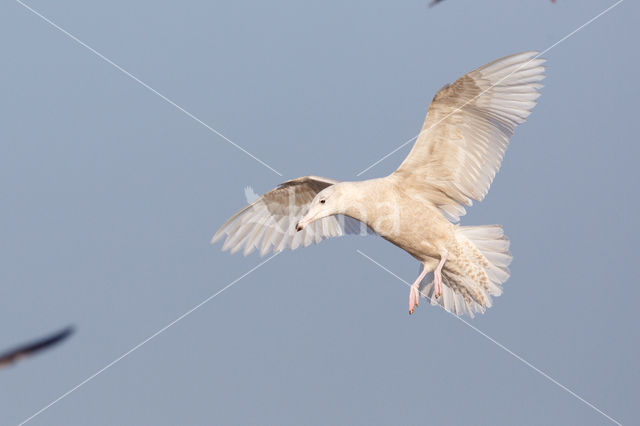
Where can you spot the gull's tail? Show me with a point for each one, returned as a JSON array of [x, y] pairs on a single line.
[[476, 273]]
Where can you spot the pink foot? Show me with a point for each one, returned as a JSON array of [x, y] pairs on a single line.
[[437, 276], [414, 298], [437, 284]]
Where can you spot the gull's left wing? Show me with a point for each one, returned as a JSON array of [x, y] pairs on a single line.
[[268, 223], [467, 130]]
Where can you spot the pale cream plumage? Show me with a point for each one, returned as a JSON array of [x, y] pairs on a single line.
[[468, 127], [269, 222], [454, 160]]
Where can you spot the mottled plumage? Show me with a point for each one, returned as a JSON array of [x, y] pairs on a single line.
[[453, 162]]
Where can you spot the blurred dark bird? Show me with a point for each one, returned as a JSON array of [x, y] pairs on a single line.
[[15, 354], [434, 2]]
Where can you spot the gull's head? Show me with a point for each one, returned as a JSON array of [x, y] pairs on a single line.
[[326, 203]]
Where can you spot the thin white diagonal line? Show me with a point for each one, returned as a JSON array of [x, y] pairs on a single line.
[[136, 347], [489, 88], [145, 85], [501, 346]]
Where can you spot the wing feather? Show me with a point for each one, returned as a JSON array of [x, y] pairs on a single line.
[[467, 130], [268, 223]]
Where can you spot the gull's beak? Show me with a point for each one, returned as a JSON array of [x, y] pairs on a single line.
[[302, 223]]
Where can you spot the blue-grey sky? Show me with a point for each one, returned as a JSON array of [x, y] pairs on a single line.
[[110, 196]]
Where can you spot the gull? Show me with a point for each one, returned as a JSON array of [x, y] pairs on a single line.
[[15, 354], [453, 162]]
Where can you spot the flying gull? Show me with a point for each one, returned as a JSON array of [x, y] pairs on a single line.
[[453, 161]]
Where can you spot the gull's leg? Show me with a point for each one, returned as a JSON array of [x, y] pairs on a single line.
[[437, 275], [414, 294]]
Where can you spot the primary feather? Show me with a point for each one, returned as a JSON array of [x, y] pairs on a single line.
[[467, 130]]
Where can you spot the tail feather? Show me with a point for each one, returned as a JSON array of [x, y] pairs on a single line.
[[477, 274]]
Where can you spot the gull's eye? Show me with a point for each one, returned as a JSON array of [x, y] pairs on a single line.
[[322, 201]]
